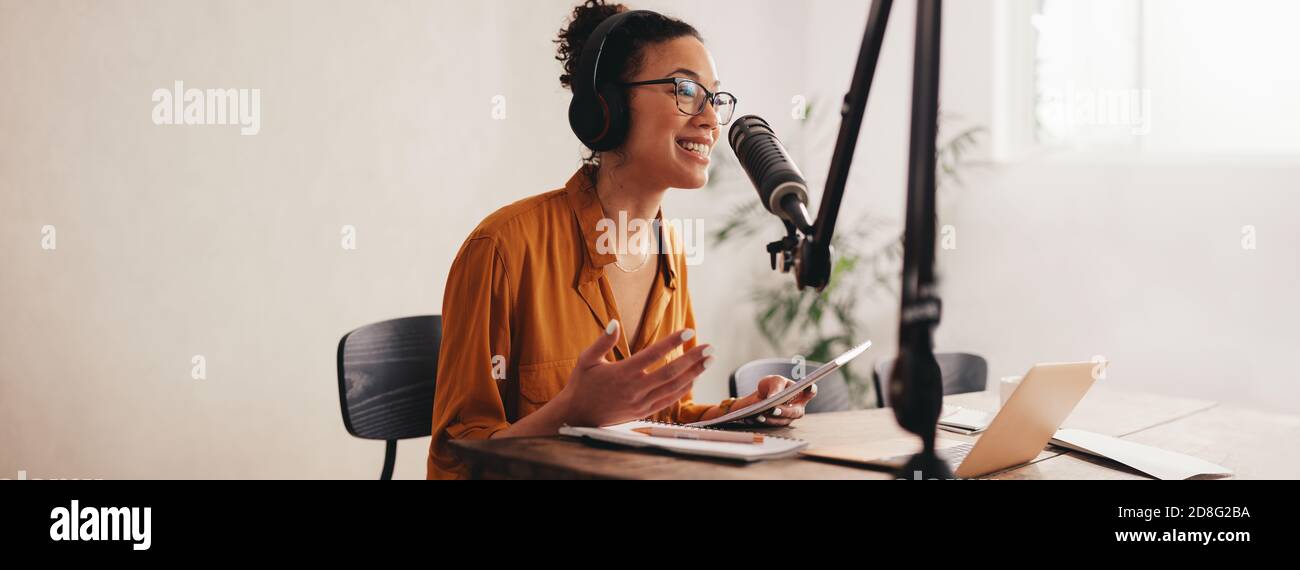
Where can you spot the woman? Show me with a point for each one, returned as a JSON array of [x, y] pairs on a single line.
[[545, 322]]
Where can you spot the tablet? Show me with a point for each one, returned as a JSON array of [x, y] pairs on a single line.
[[790, 392]]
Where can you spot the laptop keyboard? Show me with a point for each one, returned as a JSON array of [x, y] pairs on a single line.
[[952, 455], [956, 454]]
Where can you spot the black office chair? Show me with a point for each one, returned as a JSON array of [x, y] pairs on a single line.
[[962, 373], [832, 391], [386, 381]]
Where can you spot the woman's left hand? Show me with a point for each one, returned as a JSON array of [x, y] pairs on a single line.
[[781, 415]]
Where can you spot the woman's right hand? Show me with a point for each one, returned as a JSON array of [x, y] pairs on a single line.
[[601, 392]]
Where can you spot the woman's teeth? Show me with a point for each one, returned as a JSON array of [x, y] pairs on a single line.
[[697, 148]]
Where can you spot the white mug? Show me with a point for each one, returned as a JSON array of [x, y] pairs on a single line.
[[1007, 386]]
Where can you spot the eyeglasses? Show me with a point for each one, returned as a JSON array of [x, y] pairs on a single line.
[[691, 97]]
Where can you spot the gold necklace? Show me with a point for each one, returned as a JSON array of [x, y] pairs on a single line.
[[645, 257], [645, 253]]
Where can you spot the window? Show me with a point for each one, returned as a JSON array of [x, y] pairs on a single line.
[[1177, 76]]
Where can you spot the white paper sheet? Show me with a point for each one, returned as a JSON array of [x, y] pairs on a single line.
[[1155, 462]]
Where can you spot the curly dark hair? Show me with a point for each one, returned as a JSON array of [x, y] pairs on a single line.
[[624, 49]]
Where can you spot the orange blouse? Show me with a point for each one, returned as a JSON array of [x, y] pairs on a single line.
[[526, 294]]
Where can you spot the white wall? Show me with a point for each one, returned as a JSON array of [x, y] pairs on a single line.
[[1139, 261], [1234, 93]]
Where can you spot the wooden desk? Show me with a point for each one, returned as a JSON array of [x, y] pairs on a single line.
[[1240, 439], [1254, 444]]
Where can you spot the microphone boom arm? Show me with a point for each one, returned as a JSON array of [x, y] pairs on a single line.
[[815, 271], [916, 383]]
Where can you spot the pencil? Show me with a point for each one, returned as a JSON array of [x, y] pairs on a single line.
[[701, 434]]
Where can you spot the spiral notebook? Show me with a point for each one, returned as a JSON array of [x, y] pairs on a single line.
[[773, 447]]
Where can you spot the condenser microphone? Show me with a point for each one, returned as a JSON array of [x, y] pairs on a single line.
[[779, 183]]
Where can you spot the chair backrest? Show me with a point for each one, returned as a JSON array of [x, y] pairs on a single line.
[[386, 377], [962, 372], [832, 391]]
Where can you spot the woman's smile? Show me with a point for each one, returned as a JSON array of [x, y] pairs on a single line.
[[696, 149]]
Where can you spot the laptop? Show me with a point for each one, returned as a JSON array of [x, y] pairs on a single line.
[[1019, 432]]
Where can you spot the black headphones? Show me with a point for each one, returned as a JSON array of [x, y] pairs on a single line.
[[598, 112]]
